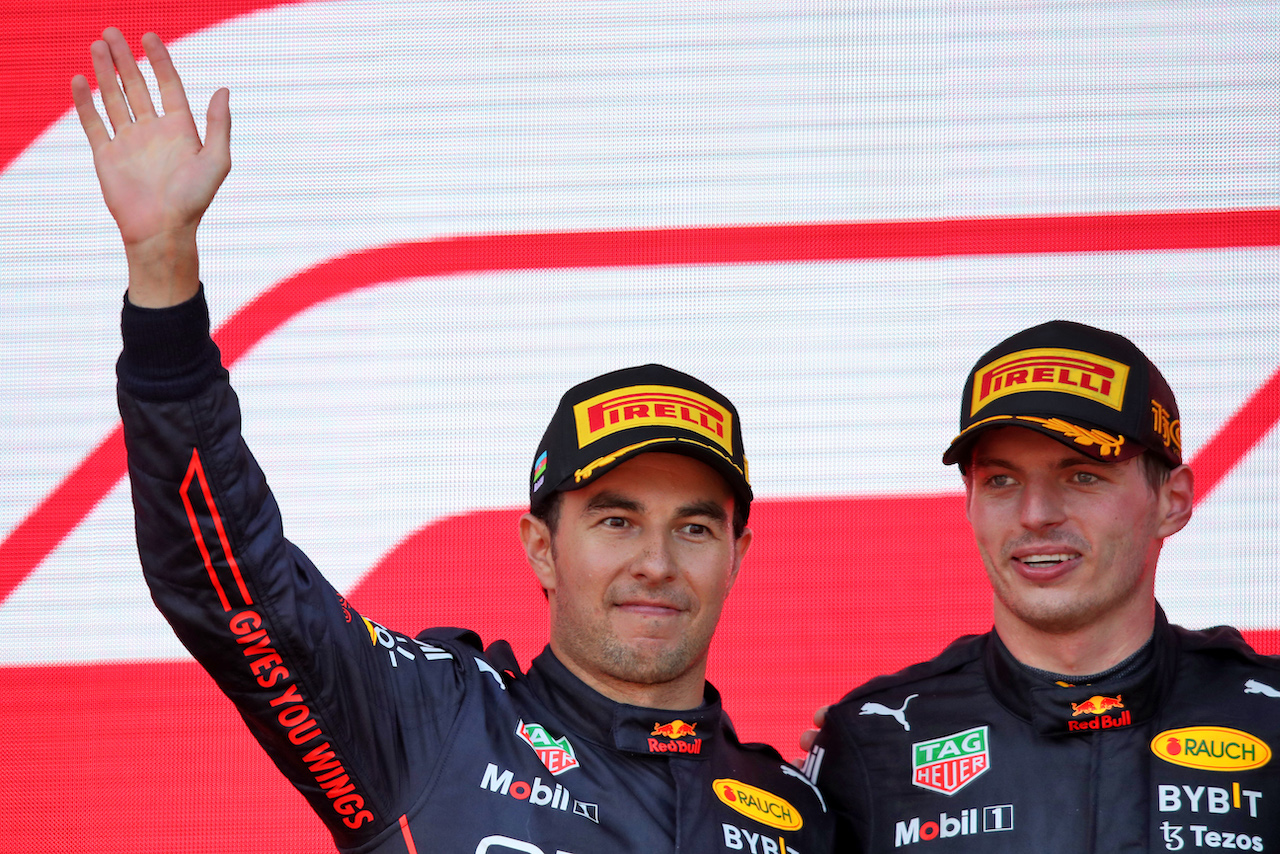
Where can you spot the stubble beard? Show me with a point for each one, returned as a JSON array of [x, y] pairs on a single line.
[[1065, 612], [635, 662]]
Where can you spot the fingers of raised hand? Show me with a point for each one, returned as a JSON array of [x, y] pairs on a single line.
[[172, 96], [109, 54], [135, 85], [82, 96]]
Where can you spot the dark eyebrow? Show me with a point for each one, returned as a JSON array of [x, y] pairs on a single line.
[[613, 501], [711, 509], [1069, 461], [616, 501]]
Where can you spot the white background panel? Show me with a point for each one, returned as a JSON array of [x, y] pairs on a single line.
[[363, 124]]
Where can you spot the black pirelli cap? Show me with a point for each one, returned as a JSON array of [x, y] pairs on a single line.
[[1090, 389], [607, 420]]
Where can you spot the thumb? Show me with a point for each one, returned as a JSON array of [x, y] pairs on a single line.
[[217, 137]]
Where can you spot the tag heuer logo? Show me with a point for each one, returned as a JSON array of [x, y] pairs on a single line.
[[950, 763], [556, 753]]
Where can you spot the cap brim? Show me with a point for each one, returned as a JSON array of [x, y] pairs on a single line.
[[1084, 438], [689, 447]]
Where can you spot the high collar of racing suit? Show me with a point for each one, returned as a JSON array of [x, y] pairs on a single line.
[[635, 729], [1115, 702]]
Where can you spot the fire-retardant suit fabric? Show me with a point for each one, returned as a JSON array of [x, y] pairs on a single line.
[[399, 743], [971, 752]]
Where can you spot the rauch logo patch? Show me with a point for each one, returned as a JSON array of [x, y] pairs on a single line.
[[764, 807], [1211, 748]]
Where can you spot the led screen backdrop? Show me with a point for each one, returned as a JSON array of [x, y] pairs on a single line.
[[443, 214]]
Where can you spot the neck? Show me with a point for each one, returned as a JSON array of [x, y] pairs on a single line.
[[1079, 652], [679, 694]]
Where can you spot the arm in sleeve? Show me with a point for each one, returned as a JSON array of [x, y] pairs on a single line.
[[842, 778], [305, 671]]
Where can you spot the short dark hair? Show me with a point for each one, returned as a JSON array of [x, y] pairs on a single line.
[[1155, 470], [549, 513]]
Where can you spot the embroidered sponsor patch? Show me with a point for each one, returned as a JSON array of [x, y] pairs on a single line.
[[950, 763]]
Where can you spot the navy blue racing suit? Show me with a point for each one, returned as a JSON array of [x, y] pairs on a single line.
[[421, 744], [971, 752]]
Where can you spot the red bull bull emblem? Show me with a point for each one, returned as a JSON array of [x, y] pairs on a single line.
[[677, 732], [950, 763], [556, 753], [1099, 706], [1096, 705]]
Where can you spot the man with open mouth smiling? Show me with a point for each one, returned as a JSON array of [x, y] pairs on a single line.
[[1083, 721]]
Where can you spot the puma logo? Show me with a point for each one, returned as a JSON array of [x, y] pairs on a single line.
[[1253, 686], [898, 714]]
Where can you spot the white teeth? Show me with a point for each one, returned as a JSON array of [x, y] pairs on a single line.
[[1046, 560]]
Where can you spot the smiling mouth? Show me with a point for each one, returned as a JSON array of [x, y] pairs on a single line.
[[650, 609], [1047, 561]]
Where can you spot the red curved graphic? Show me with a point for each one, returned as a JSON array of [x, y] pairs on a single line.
[[50, 522], [47, 41]]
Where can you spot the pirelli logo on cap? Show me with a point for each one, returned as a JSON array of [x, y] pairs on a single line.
[[653, 406], [1051, 369]]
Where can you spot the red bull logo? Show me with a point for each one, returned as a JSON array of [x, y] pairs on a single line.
[[1051, 369], [1096, 705], [676, 731], [653, 406]]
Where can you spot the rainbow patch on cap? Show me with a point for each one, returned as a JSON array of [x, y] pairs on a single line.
[[1074, 372]]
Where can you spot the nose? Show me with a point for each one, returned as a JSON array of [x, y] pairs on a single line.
[[655, 562], [1041, 505]]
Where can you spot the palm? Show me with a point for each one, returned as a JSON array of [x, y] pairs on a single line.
[[153, 178], [157, 177]]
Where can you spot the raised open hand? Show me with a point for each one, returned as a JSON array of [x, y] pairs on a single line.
[[157, 177]]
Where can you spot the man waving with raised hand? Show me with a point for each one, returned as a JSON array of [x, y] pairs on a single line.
[[639, 499]]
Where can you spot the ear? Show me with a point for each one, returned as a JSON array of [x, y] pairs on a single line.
[[1177, 496], [536, 537], [968, 496], [740, 547]]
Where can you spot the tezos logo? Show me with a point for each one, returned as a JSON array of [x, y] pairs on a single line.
[[950, 763]]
